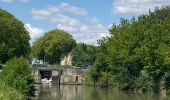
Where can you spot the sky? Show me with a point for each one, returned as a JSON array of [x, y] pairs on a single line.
[[86, 20]]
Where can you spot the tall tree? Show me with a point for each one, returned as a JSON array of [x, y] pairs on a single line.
[[137, 51], [14, 39], [53, 45], [140, 45]]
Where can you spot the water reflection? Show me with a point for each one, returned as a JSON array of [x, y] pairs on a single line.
[[73, 92]]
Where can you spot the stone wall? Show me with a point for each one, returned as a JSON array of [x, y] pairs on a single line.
[[71, 79], [62, 75], [71, 76]]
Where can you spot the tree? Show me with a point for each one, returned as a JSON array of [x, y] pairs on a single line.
[[138, 50], [100, 71], [53, 45], [83, 55], [14, 39], [18, 75], [141, 44]]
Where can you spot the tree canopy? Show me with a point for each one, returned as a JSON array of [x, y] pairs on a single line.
[[137, 54], [83, 55], [53, 45], [14, 39]]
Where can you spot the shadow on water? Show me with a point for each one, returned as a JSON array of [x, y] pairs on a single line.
[[76, 92]]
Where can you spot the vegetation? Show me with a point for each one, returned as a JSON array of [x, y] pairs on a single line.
[[17, 74], [137, 55], [53, 45], [8, 93], [13, 37], [16, 82], [83, 55]]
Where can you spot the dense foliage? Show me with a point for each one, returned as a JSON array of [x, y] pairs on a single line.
[[53, 45], [8, 93], [17, 74], [14, 39], [83, 55], [137, 55]]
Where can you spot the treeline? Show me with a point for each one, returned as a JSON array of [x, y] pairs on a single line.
[[16, 80], [56, 44], [16, 55], [137, 55]]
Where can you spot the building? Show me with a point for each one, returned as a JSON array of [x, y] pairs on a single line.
[[67, 60]]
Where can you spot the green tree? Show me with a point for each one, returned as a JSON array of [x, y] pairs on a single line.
[[18, 75], [53, 45], [83, 55], [142, 44], [138, 50], [100, 72], [14, 39]]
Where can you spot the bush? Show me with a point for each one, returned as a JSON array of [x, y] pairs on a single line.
[[144, 82], [125, 80], [106, 79], [8, 93], [88, 80], [17, 74]]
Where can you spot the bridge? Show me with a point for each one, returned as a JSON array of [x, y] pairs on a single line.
[[60, 74]]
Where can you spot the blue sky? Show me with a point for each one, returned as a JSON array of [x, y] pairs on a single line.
[[86, 20]]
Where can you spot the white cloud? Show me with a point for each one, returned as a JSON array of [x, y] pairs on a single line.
[[136, 6], [34, 32], [72, 9], [64, 20], [10, 1], [25, 1], [7, 1], [62, 8], [88, 32], [40, 12]]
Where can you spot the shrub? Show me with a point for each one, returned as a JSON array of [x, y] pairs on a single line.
[[88, 80], [144, 82], [106, 79], [8, 93], [17, 74]]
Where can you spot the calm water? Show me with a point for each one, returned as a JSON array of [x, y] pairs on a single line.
[[72, 92]]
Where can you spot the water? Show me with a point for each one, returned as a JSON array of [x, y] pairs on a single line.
[[76, 92]]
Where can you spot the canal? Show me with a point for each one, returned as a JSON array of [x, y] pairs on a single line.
[[77, 92]]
